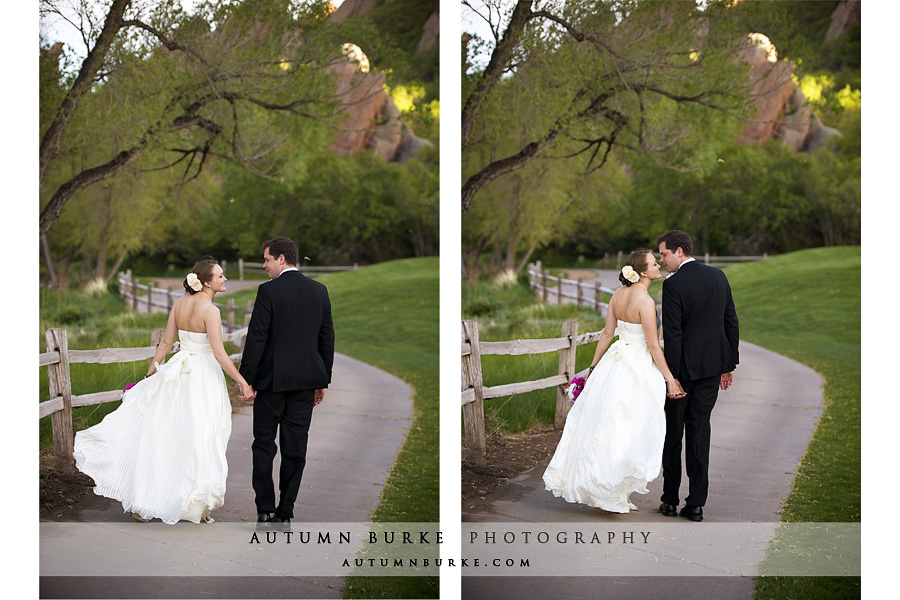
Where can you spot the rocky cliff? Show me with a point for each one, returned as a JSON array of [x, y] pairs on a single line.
[[373, 120]]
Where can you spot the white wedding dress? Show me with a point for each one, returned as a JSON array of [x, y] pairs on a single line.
[[162, 452], [612, 442]]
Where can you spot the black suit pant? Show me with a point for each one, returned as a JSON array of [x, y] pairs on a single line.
[[689, 417], [287, 414]]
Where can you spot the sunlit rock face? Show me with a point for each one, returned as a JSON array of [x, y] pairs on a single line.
[[355, 8], [847, 13], [782, 111], [431, 32], [372, 121]]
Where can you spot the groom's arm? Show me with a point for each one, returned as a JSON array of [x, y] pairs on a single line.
[[326, 337], [731, 323], [671, 322], [257, 334]]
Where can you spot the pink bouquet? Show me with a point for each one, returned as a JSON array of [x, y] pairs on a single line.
[[574, 388]]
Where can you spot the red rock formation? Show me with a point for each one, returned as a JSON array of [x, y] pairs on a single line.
[[848, 12], [372, 121], [431, 32], [782, 111], [354, 8]]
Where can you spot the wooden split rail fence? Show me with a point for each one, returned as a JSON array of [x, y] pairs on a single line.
[[57, 359], [148, 299], [474, 392], [585, 293], [255, 267]]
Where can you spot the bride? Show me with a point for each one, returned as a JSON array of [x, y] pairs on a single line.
[[162, 452], [612, 442]]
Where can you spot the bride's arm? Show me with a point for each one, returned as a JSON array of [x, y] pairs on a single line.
[[165, 344], [648, 323], [606, 336], [213, 320]]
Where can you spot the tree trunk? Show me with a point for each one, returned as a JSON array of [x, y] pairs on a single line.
[[53, 209], [499, 58], [45, 247], [104, 234], [115, 268], [513, 224]]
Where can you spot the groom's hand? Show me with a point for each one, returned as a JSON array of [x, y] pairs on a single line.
[[727, 380], [319, 395]]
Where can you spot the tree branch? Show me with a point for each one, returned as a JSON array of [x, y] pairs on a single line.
[[52, 140]]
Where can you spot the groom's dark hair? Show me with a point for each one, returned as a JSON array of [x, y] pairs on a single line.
[[280, 246], [675, 239]]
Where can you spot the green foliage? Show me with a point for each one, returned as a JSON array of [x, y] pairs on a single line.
[[349, 209], [193, 191]]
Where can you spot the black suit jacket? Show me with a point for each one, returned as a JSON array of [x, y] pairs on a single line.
[[290, 339], [700, 325]]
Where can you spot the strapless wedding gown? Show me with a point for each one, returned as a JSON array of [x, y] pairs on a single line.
[[162, 452], [612, 442]]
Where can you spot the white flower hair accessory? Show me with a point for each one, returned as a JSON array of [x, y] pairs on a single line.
[[194, 282], [630, 274]]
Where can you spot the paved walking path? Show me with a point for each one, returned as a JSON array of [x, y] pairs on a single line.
[[353, 442], [760, 430]]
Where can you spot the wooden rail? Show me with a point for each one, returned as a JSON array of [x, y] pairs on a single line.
[[474, 393], [58, 358], [154, 299], [590, 294], [255, 267]]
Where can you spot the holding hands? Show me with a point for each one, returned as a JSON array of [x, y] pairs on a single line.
[[674, 389], [247, 394]]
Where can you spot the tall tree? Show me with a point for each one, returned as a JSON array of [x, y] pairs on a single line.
[[629, 73], [237, 80]]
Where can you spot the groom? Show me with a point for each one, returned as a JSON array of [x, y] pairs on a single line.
[[700, 331], [287, 359]]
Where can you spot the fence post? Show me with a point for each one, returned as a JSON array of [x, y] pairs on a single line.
[[618, 259], [61, 385], [229, 307], [156, 336], [579, 293], [597, 296], [566, 368], [249, 313], [544, 286], [706, 258], [150, 297], [473, 412], [169, 301], [559, 290], [240, 269]]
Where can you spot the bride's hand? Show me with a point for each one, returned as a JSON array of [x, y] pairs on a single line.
[[674, 389]]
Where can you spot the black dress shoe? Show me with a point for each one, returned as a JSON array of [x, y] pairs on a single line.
[[694, 513], [265, 517], [669, 510]]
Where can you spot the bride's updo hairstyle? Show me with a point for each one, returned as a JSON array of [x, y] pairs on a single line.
[[203, 269], [637, 260]]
